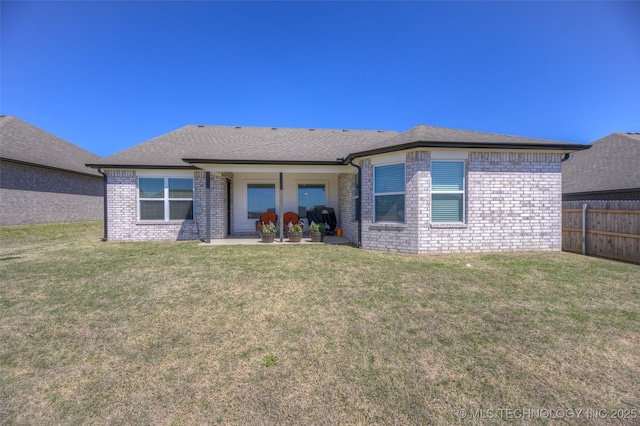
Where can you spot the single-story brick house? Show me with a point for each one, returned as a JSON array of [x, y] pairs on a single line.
[[43, 178], [427, 190]]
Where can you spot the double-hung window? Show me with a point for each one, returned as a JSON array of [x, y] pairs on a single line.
[[165, 199], [389, 183], [447, 191]]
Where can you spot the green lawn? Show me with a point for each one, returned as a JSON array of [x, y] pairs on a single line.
[[177, 333]]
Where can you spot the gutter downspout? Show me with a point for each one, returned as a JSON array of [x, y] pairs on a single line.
[[359, 218], [104, 195]]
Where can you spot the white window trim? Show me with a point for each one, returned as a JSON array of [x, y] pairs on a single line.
[[463, 191], [376, 194], [165, 198]]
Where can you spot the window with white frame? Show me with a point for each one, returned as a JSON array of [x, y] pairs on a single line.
[[389, 184], [310, 196], [261, 198], [165, 198], [447, 191]]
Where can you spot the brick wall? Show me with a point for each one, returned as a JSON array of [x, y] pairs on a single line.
[[219, 219], [398, 237], [513, 202], [33, 195], [123, 223], [346, 185]]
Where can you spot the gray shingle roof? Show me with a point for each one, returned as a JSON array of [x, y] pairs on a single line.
[[612, 163], [431, 136], [25, 143], [248, 144], [201, 144]]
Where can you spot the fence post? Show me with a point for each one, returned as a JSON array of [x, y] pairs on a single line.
[[584, 229]]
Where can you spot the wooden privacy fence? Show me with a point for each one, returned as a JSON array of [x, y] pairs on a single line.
[[604, 228]]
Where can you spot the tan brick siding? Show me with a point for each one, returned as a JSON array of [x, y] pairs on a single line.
[[513, 202], [346, 186], [123, 224], [36, 195]]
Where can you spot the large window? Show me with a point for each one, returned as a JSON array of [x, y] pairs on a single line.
[[310, 195], [165, 198], [389, 193], [447, 191], [261, 198]]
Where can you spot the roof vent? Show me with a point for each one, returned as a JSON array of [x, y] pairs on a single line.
[[344, 130], [274, 128], [311, 130], [200, 125], [238, 127]]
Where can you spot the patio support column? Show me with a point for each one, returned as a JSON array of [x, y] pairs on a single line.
[[280, 207], [208, 191]]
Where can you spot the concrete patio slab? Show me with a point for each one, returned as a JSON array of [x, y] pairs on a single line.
[[252, 240]]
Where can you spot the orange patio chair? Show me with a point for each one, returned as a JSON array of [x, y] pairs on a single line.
[[266, 217], [291, 217]]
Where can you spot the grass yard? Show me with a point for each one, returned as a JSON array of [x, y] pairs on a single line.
[[176, 333]]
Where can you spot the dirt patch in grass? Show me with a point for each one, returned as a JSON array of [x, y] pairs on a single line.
[[166, 333]]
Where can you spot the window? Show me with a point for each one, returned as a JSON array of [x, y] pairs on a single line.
[[310, 196], [261, 198], [389, 193], [165, 198], [447, 191]]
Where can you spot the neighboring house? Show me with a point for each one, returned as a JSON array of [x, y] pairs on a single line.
[[43, 179], [609, 170], [427, 190]]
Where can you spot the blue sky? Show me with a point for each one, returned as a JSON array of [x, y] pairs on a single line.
[[109, 75]]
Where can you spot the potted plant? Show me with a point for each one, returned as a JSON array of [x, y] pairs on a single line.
[[295, 233], [268, 233], [316, 231]]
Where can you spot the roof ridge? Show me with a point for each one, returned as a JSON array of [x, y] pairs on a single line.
[[629, 135], [486, 133], [289, 128], [6, 119]]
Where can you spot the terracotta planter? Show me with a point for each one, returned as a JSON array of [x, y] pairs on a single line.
[[268, 237], [317, 236], [294, 237]]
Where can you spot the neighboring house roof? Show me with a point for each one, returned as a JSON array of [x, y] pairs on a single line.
[[612, 163], [24, 143], [265, 145]]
